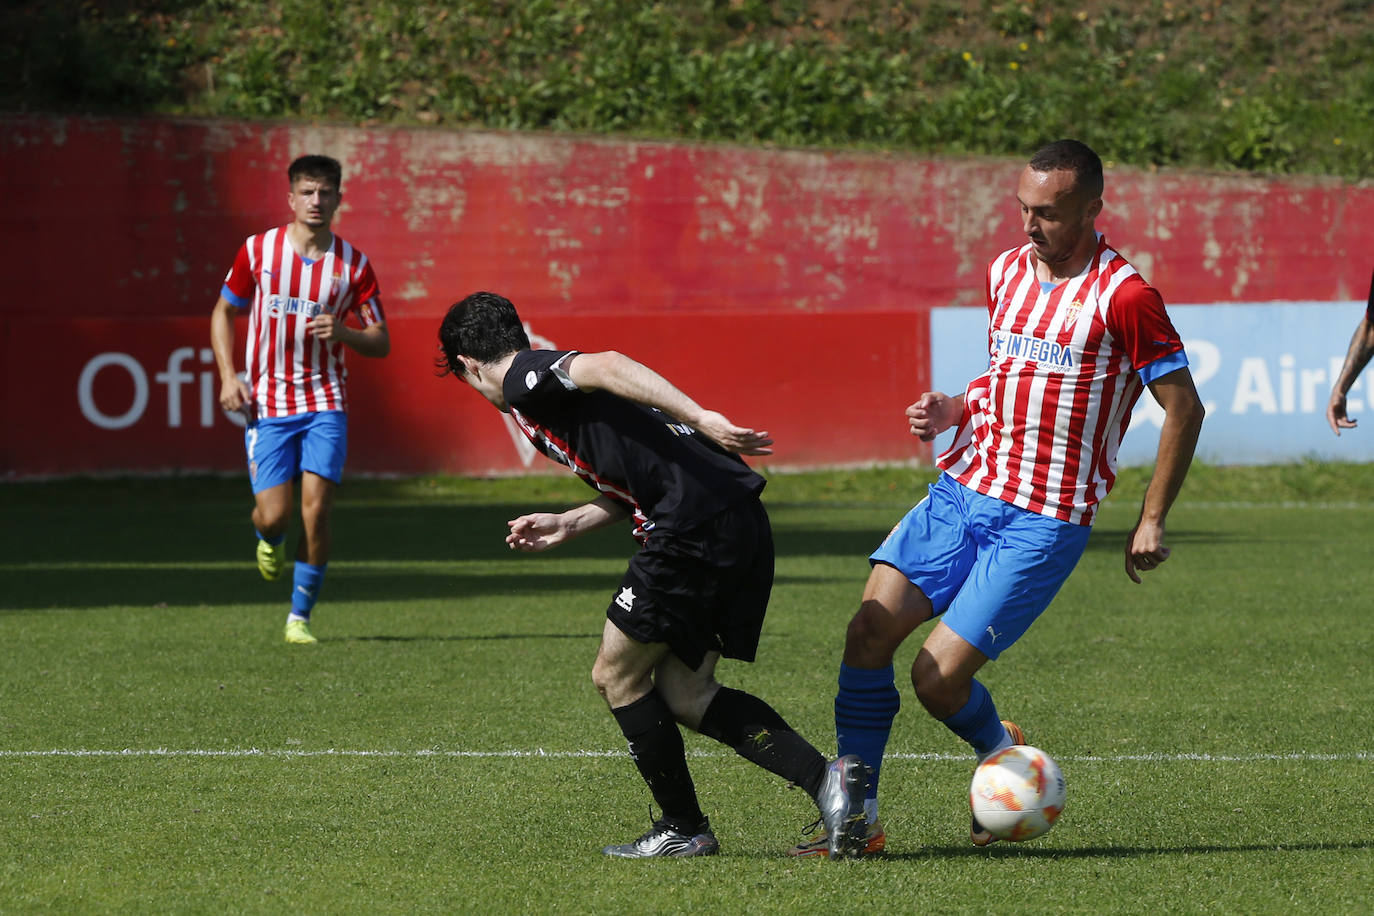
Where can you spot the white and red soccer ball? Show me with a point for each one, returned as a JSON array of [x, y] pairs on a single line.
[[1017, 793]]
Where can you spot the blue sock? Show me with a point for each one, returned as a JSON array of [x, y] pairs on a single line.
[[305, 589], [865, 706], [273, 541], [977, 721]]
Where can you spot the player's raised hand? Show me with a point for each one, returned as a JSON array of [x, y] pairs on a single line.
[[536, 531], [931, 415], [738, 439]]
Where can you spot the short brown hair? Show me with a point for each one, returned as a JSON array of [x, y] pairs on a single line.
[[313, 166], [1071, 156]]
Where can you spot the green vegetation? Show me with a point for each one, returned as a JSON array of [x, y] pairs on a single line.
[[1230, 84], [443, 750]]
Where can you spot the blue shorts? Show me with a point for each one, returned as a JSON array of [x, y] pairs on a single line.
[[280, 448], [990, 568]]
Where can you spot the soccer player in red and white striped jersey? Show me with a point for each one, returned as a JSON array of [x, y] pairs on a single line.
[[1042, 426], [300, 284], [1074, 335]]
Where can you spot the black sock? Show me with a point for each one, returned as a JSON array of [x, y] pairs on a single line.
[[761, 736], [656, 747]]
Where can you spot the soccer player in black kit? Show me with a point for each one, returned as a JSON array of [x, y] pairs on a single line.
[[699, 585]]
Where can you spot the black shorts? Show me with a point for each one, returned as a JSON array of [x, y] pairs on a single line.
[[701, 590]]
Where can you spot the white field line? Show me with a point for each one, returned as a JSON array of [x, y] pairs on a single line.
[[540, 752]]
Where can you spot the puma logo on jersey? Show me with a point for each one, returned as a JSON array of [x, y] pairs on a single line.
[[994, 634]]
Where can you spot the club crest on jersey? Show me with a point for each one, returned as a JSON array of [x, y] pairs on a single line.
[[1071, 312]]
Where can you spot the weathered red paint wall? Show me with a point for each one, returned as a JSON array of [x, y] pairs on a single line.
[[788, 289]]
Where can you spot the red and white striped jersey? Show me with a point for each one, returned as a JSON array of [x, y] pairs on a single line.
[[1041, 427], [289, 370]]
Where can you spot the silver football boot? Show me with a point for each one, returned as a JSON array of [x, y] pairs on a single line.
[[842, 806], [665, 840]]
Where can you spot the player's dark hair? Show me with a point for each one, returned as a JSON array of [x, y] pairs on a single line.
[[484, 326], [1073, 156], [324, 168]]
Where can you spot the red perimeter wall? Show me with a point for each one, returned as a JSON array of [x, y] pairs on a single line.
[[789, 290]]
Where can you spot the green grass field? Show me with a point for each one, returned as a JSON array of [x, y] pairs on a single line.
[[443, 749]]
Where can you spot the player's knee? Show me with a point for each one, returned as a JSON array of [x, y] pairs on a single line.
[[872, 633], [614, 686], [269, 520], [687, 697], [682, 706], [938, 692], [315, 515], [602, 680]]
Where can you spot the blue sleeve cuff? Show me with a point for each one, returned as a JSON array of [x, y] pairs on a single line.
[[237, 302], [1163, 366]]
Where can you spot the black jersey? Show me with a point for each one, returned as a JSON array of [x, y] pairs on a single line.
[[668, 475]]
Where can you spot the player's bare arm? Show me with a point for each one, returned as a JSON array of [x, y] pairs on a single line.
[[1356, 358], [933, 413], [634, 381], [233, 393], [370, 341], [1183, 413], [543, 530]]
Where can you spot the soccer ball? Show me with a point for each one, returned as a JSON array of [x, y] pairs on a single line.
[[1017, 793]]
